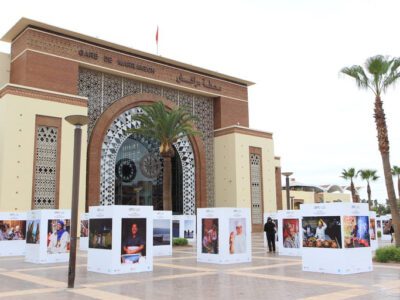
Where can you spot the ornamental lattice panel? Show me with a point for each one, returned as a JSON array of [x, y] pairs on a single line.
[[256, 193], [45, 167], [104, 89]]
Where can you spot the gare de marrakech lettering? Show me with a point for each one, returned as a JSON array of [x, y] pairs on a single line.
[[122, 63], [206, 83]]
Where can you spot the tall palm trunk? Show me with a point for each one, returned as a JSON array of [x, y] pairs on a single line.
[[369, 196], [167, 183], [383, 141], [398, 187], [353, 191]]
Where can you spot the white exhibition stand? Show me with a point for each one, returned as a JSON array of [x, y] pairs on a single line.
[[274, 217], [13, 233], [162, 231], [113, 248], [342, 243], [187, 227], [373, 230], [386, 236], [289, 232], [224, 235], [46, 241], [84, 232]]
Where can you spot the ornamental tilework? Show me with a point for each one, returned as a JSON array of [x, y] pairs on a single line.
[[46, 168], [256, 193], [104, 89]]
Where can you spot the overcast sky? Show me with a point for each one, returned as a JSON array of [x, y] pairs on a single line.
[[292, 49]]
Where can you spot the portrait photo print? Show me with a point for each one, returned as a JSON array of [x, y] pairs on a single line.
[[209, 234], [237, 235], [290, 233], [58, 236], [133, 240], [356, 231]]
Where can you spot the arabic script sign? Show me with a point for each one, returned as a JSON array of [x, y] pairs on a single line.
[[193, 81]]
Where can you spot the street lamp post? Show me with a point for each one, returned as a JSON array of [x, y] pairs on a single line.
[[78, 121], [287, 174]]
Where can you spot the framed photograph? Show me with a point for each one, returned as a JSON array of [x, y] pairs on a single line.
[[322, 232], [188, 227], [84, 228], [12, 230], [33, 232], [133, 240], [209, 235], [290, 233], [356, 231], [100, 233], [372, 229], [237, 235], [175, 228], [58, 236], [161, 232]]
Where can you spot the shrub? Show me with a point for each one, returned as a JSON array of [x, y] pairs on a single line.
[[379, 234], [388, 254], [180, 242]]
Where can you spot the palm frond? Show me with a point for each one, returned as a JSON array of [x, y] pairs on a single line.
[[357, 72]]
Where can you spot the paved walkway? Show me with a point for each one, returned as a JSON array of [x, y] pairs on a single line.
[[268, 276]]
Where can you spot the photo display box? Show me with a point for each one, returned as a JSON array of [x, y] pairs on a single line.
[[336, 238], [274, 217], [12, 233], [184, 226], [84, 232], [223, 235], [289, 232], [373, 233], [385, 225], [48, 236], [120, 239], [162, 233]]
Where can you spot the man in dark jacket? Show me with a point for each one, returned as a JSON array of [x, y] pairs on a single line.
[[270, 230]]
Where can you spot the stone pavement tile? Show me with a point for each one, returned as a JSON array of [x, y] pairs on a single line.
[[56, 295], [84, 278], [216, 286], [8, 284], [365, 279], [341, 295]]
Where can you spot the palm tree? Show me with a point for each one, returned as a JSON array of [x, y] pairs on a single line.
[[349, 175], [383, 72], [396, 172], [166, 126], [368, 175]]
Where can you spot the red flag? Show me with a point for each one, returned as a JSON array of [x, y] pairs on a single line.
[[157, 35]]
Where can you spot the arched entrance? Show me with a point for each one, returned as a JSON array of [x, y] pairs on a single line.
[[107, 138]]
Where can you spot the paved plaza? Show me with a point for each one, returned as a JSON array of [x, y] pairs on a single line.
[[268, 276]]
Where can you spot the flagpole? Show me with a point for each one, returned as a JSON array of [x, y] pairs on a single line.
[[157, 39]]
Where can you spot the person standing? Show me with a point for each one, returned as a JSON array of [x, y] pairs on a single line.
[[270, 231]]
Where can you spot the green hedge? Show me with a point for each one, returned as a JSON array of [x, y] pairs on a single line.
[[180, 242], [388, 254], [379, 234]]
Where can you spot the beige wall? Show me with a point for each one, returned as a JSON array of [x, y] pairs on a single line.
[[4, 68], [232, 170], [330, 197], [17, 128], [308, 197]]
